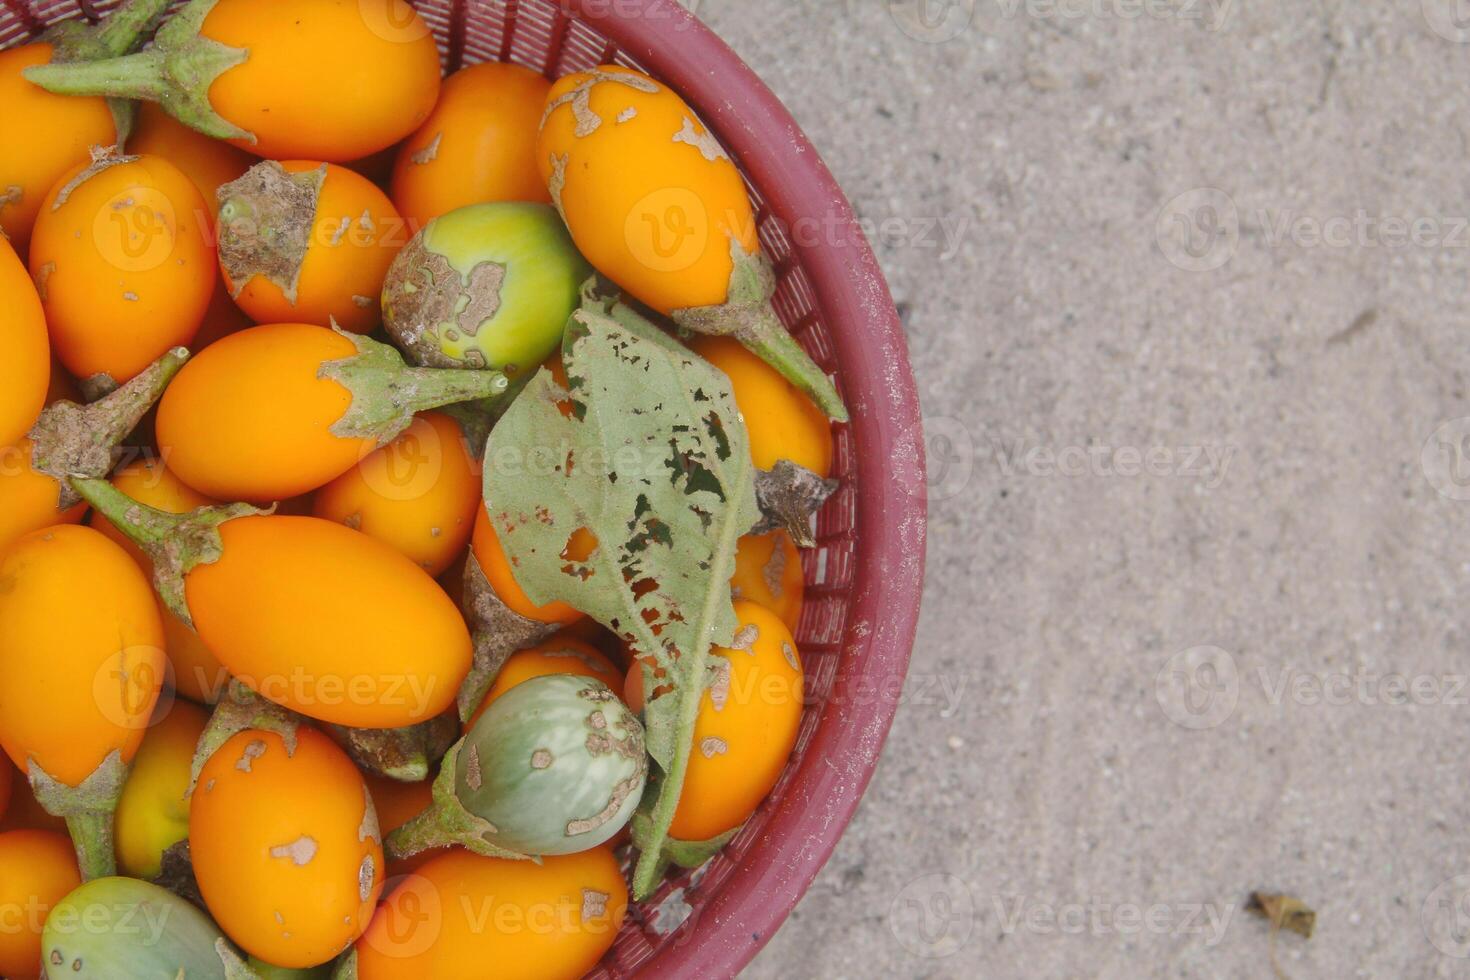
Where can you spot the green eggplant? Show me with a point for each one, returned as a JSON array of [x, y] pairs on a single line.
[[556, 765], [485, 286], [122, 927]]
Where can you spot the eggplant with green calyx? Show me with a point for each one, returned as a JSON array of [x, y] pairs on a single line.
[[279, 410], [122, 927], [659, 207], [485, 286], [81, 669], [74, 440], [247, 581], [555, 766], [240, 709], [68, 440], [285, 79]]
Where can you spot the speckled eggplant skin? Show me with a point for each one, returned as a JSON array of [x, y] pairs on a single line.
[[557, 764]]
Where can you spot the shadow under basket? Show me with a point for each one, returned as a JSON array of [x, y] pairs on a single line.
[[864, 578]]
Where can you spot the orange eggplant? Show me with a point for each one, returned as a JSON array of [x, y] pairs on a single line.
[[319, 79], [77, 691], [279, 410], [309, 614]]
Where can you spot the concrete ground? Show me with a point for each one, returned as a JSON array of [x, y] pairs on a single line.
[[1185, 286]]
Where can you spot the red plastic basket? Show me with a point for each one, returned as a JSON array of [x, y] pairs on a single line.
[[865, 577]]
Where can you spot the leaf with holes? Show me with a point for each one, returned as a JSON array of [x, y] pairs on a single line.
[[651, 460]]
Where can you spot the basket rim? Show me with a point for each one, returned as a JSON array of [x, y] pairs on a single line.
[[891, 506]]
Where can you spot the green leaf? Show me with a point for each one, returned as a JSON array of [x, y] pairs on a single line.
[[654, 461]]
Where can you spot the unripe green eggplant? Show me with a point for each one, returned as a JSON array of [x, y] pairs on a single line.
[[122, 927], [485, 286], [556, 765]]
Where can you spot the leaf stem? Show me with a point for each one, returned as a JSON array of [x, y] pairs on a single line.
[[747, 315], [176, 543], [88, 809], [427, 388], [176, 72], [387, 393], [119, 31], [71, 440], [147, 527], [130, 76], [119, 413], [691, 695], [768, 339], [92, 836], [117, 34], [422, 833]]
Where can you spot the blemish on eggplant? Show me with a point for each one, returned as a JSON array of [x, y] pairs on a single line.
[[428, 153], [253, 750], [621, 792], [775, 571], [300, 852], [719, 685], [705, 142], [43, 275], [366, 877], [473, 777], [580, 98], [369, 829], [594, 904], [103, 158]]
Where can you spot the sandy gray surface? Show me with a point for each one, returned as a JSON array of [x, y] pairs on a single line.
[[1193, 621]]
